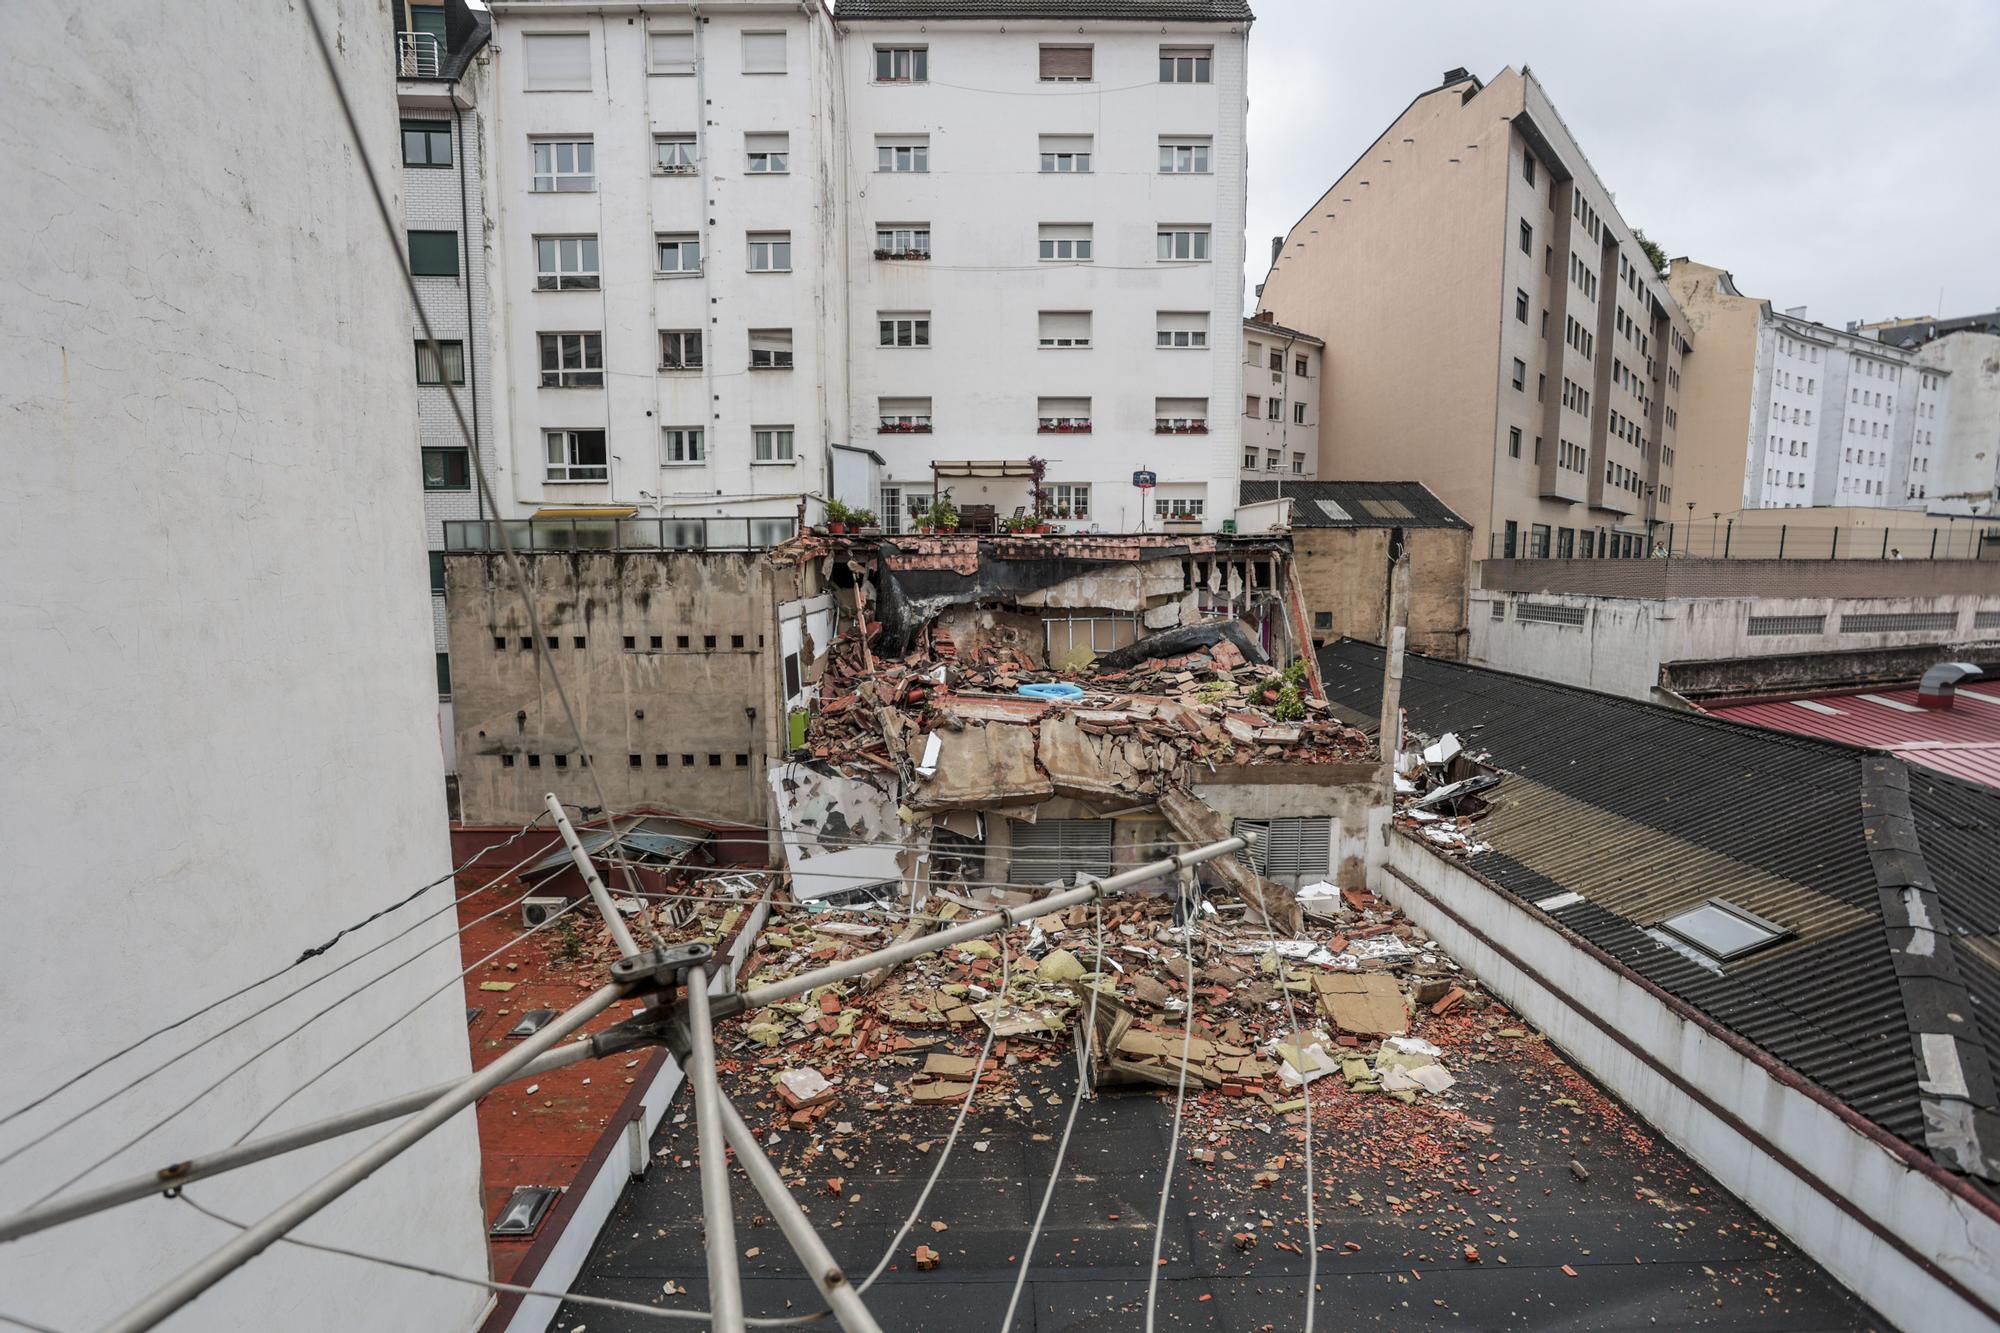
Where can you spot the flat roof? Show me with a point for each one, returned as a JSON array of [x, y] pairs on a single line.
[[1963, 740]]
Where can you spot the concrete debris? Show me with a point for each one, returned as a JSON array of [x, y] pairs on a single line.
[[1440, 789]]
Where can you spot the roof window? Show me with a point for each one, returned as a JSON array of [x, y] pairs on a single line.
[[1723, 930]]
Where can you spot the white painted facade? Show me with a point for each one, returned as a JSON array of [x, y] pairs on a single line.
[[1029, 333], [218, 686], [711, 279], [1962, 472], [1020, 306], [1834, 419], [1281, 373]]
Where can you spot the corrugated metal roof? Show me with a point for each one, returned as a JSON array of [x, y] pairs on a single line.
[[1147, 11], [1963, 740], [1364, 504], [1644, 810]]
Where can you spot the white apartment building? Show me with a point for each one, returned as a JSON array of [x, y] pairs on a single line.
[[438, 79], [749, 255], [1787, 413], [1281, 373], [1046, 210], [665, 192]]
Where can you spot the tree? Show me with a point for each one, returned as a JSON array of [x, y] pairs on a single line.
[[1654, 254]]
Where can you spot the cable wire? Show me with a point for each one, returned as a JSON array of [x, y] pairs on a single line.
[[1180, 1103], [303, 958], [19, 1322], [1086, 1044]]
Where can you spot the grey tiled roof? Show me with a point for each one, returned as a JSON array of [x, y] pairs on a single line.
[[1148, 11], [1357, 504]]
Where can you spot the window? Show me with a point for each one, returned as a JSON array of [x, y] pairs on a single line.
[[1299, 367], [1062, 414], [681, 445], [763, 53], [555, 62], [577, 455], [1520, 373], [444, 675], [1186, 64], [1272, 408], [1538, 541], [1065, 64], [771, 444], [1065, 153], [1065, 241], [1527, 166], [905, 330], [1181, 328], [1250, 455], [1520, 305], [1298, 414], [1722, 930], [1299, 464], [426, 143], [1072, 498], [673, 154], [904, 154], [903, 240], [1250, 406], [447, 470], [437, 575], [770, 251], [1183, 157], [447, 367], [1277, 361], [1182, 243], [564, 263], [1180, 416], [1527, 238], [1063, 328], [769, 154], [680, 349], [903, 416], [770, 349], [902, 64], [1271, 460], [572, 360], [679, 253], [563, 166], [1178, 507], [434, 254], [673, 53]]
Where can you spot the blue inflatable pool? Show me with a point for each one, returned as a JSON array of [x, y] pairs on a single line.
[[1052, 690]]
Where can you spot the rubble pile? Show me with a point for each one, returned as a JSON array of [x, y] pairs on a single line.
[[1438, 792], [1209, 706]]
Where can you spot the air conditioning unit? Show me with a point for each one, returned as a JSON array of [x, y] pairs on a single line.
[[537, 911]]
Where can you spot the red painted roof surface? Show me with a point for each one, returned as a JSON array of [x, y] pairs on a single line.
[[1963, 740]]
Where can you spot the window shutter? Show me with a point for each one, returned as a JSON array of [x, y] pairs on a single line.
[[673, 52], [1291, 850], [1063, 849], [764, 52], [557, 61], [1066, 62]]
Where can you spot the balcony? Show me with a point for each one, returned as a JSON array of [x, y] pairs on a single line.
[[419, 55], [439, 51], [1179, 426], [1063, 426]]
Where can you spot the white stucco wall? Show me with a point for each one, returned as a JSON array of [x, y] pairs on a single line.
[[219, 697], [985, 112], [1287, 448], [1968, 461]]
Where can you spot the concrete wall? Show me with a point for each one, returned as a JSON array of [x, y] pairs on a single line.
[[217, 654], [1819, 1175], [1349, 796], [1343, 572], [1621, 642], [687, 703], [1968, 460], [984, 111], [1857, 578]]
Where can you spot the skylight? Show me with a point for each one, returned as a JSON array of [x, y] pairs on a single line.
[[1723, 930], [1333, 511]]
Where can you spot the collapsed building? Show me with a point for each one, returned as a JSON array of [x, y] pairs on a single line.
[[997, 714]]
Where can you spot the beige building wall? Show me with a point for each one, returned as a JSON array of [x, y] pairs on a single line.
[[1716, 395], [1343, 575], [1471, 236]]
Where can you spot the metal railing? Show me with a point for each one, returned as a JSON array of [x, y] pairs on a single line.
[[1730, 539], [419, 55], [620, 534]]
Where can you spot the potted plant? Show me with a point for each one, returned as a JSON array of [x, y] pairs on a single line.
[[920, 514], [864, 521], [944, 514], [838, 516]]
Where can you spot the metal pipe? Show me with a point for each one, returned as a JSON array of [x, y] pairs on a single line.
[[839, 1293], [254, 1240], [58, 1211], [725, 1291], [612, 921], [971, 930]]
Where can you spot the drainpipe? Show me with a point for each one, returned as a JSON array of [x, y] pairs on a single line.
[[1392, 675]]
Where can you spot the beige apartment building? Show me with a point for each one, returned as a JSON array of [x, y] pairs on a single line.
[[1499, 333]]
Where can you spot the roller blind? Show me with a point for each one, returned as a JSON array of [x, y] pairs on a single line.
[[1066, 62], [557, 61]]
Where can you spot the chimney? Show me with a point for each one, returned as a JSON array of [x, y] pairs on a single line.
[[1277, 245], [1935, 690], [1457, 74]]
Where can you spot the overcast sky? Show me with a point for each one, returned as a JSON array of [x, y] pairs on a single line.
[[1843, 156]]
